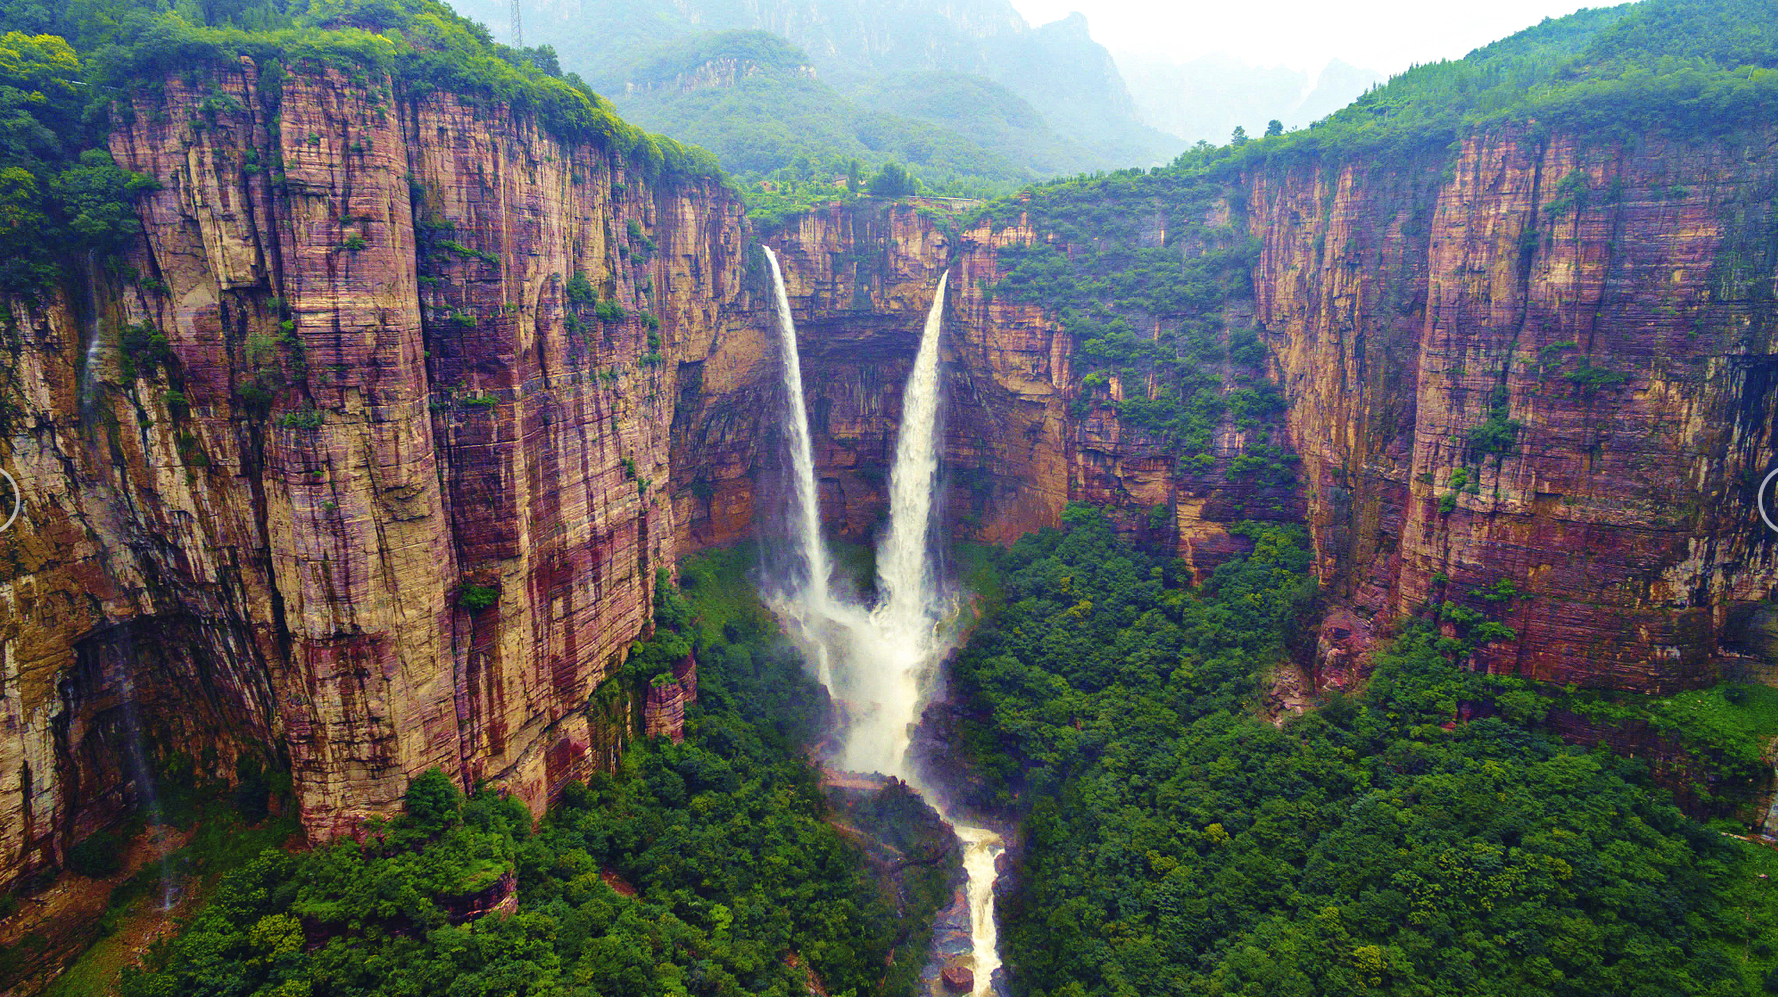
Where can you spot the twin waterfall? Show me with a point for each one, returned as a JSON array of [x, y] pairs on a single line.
[[812, 602], [880, 662]]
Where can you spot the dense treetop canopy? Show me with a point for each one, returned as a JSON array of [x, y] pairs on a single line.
[[1389, 842]]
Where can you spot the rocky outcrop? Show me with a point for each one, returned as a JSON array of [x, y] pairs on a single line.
[[499, 897], [663, 706], [350, 472], [716, 74]]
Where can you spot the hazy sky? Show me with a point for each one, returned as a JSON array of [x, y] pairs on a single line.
[[1385, 35]]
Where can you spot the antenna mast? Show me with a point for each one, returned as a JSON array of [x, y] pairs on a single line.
[[518, 28]]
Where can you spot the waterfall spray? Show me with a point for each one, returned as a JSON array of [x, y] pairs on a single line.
[[902, 648], [811, 600], [888, 657]]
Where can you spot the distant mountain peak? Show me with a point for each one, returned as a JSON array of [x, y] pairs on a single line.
[[1074, 25]]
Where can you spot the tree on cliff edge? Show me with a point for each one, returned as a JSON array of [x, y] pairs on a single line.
[[893, 180]]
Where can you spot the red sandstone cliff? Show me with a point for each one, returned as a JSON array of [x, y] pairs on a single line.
[[392, 494], [387, 498], [1585, 335], [1613, 309]]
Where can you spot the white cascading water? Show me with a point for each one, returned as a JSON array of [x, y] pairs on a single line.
[[890, 667], [89, 372], [981, 848], [811, 602], [887, 657]]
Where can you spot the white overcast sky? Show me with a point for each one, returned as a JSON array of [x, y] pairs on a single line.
[[1385, 35]]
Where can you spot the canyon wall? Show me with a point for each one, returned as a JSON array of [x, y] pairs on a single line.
[[367, 460], [1533, 380], [363, 466], [1549, 366]]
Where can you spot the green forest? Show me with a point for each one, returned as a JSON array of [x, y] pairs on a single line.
[[708, 867], [1422, 836], [1179, 841]]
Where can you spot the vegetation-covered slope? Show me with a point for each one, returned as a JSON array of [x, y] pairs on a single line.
[[1155, 314], [861, 50], [1176, 842], [1688, 67], [706, 867], [777, 117]]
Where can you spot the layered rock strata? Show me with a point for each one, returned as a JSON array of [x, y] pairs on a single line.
[[365, 469], [1533, 380], [1546, 371]]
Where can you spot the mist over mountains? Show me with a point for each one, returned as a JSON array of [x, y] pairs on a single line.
[[1208, 97], [969, 94]]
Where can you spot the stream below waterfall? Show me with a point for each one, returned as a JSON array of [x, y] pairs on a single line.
[[880, 663]]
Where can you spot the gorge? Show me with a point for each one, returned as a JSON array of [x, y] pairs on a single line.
[[311, 556], [374, 456], [880, 664]]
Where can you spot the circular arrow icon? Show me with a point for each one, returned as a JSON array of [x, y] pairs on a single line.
[[1764, 513], [18, 501]]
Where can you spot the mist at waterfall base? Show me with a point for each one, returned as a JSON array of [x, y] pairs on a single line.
[[880, 662]]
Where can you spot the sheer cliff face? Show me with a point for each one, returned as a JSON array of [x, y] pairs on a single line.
[[1538, 365], [1018, 444], [1582, 340], [437, 396], [388, 497]]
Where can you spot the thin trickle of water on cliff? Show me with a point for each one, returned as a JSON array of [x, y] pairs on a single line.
[[810, 602], [880, 664], [89, 372], [136, 751], [136, 756]]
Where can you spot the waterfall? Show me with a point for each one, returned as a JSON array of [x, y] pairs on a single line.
[[89, 372], [981, 847], [810, 603], [136, 763], [905, 642], [902, 563], [902, 648], [887, 657]]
